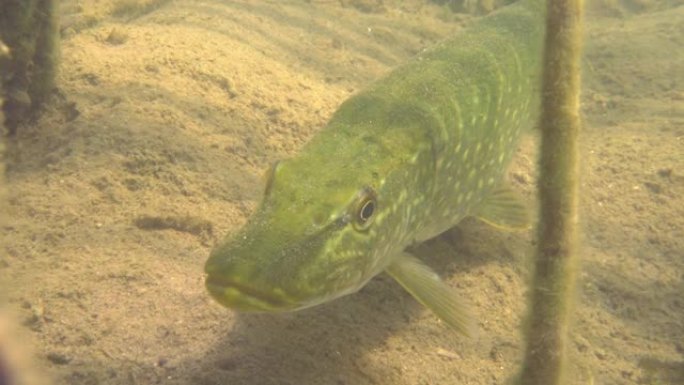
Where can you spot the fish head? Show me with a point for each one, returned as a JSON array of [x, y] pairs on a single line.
[[312, 239]]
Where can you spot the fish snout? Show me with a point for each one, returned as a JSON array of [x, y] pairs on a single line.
[[235, 294]]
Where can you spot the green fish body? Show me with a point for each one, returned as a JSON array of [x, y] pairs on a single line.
[[398, 163]]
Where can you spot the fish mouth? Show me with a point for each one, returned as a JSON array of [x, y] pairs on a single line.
[[245, 298]]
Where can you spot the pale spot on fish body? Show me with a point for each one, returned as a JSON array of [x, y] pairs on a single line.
[[471, 175], [459, 199], [414, 159]]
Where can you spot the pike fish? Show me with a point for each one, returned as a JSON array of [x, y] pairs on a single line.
[[398, 163]]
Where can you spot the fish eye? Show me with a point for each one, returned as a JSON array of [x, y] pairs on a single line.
[[365, 209]]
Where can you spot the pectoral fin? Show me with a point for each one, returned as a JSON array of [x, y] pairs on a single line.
[[426, 286], [505, 210]]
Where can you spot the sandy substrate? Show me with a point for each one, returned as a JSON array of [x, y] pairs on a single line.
[[174, 110]]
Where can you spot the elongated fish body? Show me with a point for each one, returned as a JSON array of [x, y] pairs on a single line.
[[398, 163]]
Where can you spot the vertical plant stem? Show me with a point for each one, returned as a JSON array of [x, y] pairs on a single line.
[[553, 290], [46, 57], [31, 31]]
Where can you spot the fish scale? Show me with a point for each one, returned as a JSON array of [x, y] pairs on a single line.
[[398, 163]]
